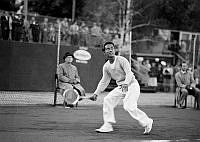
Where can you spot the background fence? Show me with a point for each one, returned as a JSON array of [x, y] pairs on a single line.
[[32, 66]]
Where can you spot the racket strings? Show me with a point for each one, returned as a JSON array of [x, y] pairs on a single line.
[[71, 96]]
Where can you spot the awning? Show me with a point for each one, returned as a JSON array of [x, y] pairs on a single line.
[[153, 55]]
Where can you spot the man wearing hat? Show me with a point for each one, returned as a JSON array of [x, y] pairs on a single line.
[[68, 75]]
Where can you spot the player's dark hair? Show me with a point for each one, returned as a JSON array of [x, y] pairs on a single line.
[[106, 43]]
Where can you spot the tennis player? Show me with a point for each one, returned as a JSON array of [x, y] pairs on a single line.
[[119, 69]]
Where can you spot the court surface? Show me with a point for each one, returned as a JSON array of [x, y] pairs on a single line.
[[45, 123]]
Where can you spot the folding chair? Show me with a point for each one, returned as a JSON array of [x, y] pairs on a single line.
[[56, 90]]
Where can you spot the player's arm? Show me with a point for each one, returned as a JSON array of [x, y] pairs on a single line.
[[127, 69], [105, 80]]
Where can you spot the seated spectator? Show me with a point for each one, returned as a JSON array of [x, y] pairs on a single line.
[[5, 25], [68, 75], [186, 85]]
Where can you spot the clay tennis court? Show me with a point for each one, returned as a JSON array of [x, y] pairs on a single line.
[[44, 123]]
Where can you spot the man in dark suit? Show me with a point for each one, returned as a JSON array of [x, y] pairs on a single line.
[[5, 25]]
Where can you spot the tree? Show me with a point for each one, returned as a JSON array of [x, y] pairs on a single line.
[[179, 14], [56, 8], [8, 5], [172, 14], [124, 15], [100, 11]]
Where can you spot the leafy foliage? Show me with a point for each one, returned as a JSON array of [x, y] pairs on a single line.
[[179, 14], [57, 8], [172, 14], [101, 11]]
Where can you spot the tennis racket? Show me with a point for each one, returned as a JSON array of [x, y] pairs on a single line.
[[71, 98]]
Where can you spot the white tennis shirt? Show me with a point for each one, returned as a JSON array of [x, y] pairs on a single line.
[[119, 70]]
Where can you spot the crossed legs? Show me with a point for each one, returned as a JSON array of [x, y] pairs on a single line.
[[183, 94]]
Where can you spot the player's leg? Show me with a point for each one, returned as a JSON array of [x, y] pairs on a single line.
[[109, 103], [130, 105]]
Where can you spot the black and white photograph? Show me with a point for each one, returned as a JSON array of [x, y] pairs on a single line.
[[99, 70]]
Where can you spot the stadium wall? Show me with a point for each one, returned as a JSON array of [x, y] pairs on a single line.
[[32, 66]]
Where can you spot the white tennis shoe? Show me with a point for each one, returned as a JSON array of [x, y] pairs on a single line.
[[148, 127], [105, 128]]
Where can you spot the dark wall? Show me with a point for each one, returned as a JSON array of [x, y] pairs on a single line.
[[31, 66], [25, 66], [91, 72]]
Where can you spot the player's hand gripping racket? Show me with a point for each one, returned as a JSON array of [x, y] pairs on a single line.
[[92, 98]]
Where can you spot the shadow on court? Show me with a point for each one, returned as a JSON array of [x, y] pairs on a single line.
[[46, 123]]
